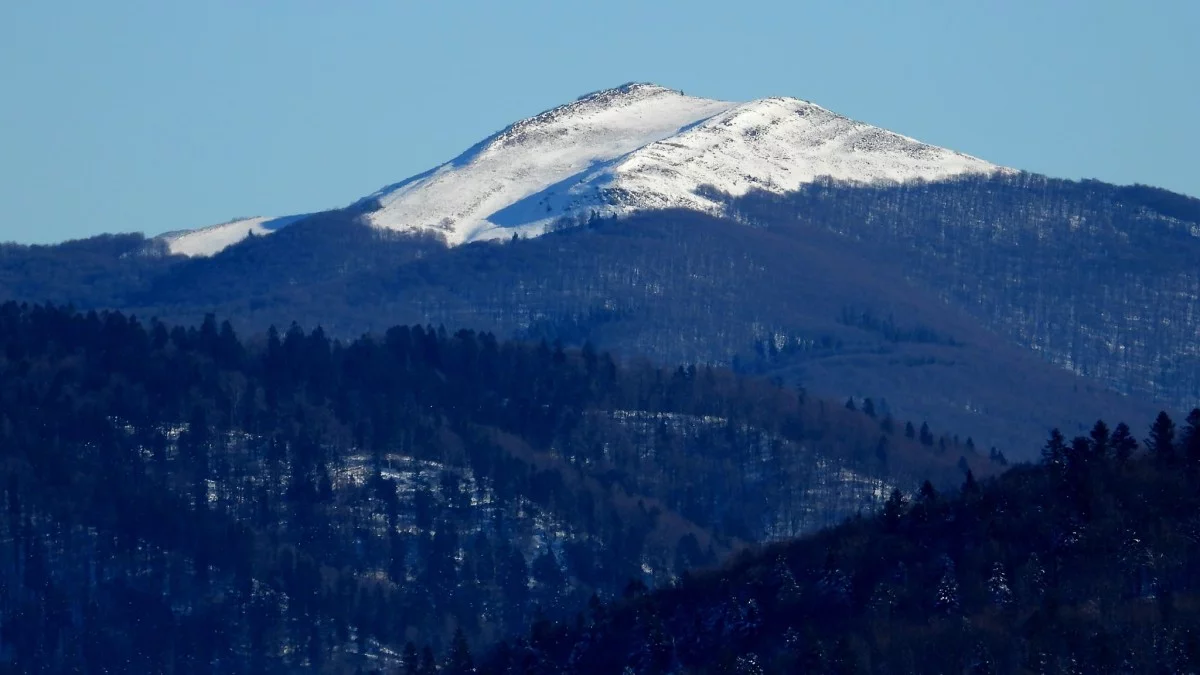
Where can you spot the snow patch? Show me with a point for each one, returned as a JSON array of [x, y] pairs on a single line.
[[776, 145], [208, 241]]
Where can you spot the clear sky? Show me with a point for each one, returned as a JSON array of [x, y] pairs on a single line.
[[153, 115]]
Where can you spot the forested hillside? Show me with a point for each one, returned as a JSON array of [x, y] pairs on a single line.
[[1088, 562], [180, 500], [1099, 279], [816, 308]]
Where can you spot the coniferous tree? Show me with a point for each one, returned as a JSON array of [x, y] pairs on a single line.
[[1123, 443], [999, 591], [1054, 453], [1190, 438], [926, 502], [970, 486], [1161, 442], [428, 664], [947, 600], [459, 661], [894, 508], [997, 456], [881, 450], [1078, 453], [869, 407], [927, 494], [410, 659], [926, 434], [1101, 440]]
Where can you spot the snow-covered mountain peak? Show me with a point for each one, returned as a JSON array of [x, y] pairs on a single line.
[[635, 147], [642, 146], [773, 144], [484, 192], [617, 101]]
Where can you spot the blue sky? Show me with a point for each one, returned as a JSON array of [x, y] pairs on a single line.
[[151, 116]]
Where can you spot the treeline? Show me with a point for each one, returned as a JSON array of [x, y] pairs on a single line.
[[1088, 561], [180, 500]]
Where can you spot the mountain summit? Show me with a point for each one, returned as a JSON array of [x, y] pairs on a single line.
[[635, 147]]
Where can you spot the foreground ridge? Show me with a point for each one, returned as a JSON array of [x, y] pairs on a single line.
[[1083, 563]]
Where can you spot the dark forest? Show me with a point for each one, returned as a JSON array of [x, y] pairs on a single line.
[[180, 500]]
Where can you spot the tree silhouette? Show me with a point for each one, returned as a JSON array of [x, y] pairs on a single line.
[[1161, 443], [1123, 443]]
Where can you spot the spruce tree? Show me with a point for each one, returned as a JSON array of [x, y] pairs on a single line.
[[428, 665], [1123, 443], [1054, 453], [926, 434], [1190, 439], [927, 493], [946, 601], [459, 661], [1101, 440], [1161, 443], [893, 509], [410, 660], [970, 486]]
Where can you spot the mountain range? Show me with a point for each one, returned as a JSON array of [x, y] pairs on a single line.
[[773, 236]]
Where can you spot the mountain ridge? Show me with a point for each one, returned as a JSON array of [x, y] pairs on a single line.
[[635, 147]]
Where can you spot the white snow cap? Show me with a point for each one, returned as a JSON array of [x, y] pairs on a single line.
[[633, 148], [642, 146]]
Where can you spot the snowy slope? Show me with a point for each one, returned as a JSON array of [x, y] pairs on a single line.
[[645, 147], [635, 147], [774, 144], [208, 241], [466, 198]]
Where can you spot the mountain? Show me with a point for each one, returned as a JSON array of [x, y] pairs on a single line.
[[1085, 563], [624, 150], [773, 237]]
